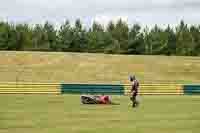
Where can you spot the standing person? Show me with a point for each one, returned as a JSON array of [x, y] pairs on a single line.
[[134, 90]]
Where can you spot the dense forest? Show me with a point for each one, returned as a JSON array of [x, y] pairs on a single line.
[[114, 38]]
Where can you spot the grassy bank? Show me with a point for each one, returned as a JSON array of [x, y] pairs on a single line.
[[84, 67]]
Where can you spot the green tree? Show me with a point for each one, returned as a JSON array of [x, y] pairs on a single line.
[[23, 37], [170, 48], [40, 38], [195, 34], [116, 38], [136, 41], [147, 41], [4, 36], [96, 38], [184, 44], [121, 36], [156, 42], [65, 37], [79, 42], [119, 33], [50, 36]]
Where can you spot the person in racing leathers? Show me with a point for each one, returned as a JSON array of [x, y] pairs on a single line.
[[134, 90]]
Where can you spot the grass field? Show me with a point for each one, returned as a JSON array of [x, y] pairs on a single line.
[[96, 68], [65, 114]]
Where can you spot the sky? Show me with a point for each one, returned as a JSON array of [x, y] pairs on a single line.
[[143, 12]]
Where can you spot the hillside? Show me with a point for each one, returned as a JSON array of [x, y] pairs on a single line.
[[96, 68]]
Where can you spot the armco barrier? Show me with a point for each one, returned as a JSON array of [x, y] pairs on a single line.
[[111, 89]]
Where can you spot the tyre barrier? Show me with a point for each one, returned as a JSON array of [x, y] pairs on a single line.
[[29, 88], [108, 89], [192, 89], [157, 89]]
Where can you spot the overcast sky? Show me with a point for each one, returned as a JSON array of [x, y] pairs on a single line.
[[144, 12]]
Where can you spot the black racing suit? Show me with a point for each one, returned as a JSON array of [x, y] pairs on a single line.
[[134, 91]]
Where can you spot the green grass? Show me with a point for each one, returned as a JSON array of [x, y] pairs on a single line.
[[65, 114], [96, 68]]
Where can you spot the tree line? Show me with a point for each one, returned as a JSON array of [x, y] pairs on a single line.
[[114, 38]]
